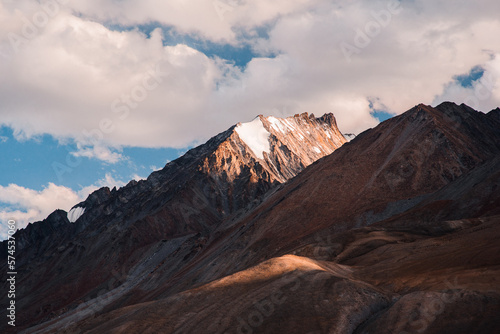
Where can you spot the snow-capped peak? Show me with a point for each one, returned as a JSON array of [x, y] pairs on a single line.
[[349, 136], [75, 213], [290, 144], [255, 136]]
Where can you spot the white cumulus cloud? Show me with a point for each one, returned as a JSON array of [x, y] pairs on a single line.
[[108, 88], [25, 205]]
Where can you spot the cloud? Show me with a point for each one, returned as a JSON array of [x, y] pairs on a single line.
[[26, 205], [137, 177], [215, 20], [99, 152], [33, 205], [107, 89], [154, 168], [405, 62], [108, 181], [481, 93]]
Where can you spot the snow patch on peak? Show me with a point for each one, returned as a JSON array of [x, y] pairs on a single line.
[[349, 136], [276, 124], [75, 213], [289, 124], [255, 136]]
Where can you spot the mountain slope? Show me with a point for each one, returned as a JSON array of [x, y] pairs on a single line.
[[408, 283], [432, 268], [382, 172], [114, 231], [348, 245], [405, 157], [429, 263]]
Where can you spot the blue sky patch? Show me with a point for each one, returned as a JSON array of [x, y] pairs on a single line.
[[240, 55], [36, 162], [467, 80], [381, 115]]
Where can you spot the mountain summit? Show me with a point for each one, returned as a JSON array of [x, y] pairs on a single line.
[[280, 147]]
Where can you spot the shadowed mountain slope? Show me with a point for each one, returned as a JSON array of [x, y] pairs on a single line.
[[114, 231], [428, 263], [394, 231]]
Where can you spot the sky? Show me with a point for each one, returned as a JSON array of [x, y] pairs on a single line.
[[97, 93]]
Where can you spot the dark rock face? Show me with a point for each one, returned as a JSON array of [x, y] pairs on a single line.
[[187, 199], [495, 114], [395, 231], [382, 172]]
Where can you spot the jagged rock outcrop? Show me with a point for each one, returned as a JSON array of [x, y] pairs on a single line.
[[267, 151]]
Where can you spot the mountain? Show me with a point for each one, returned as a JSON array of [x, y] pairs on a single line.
[[395, 231], [382, 172], [113, 229], [425, 185], [286, 146]]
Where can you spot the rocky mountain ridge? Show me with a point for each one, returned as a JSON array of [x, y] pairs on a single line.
[[398, 250], [394, 231], [190, 196]]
